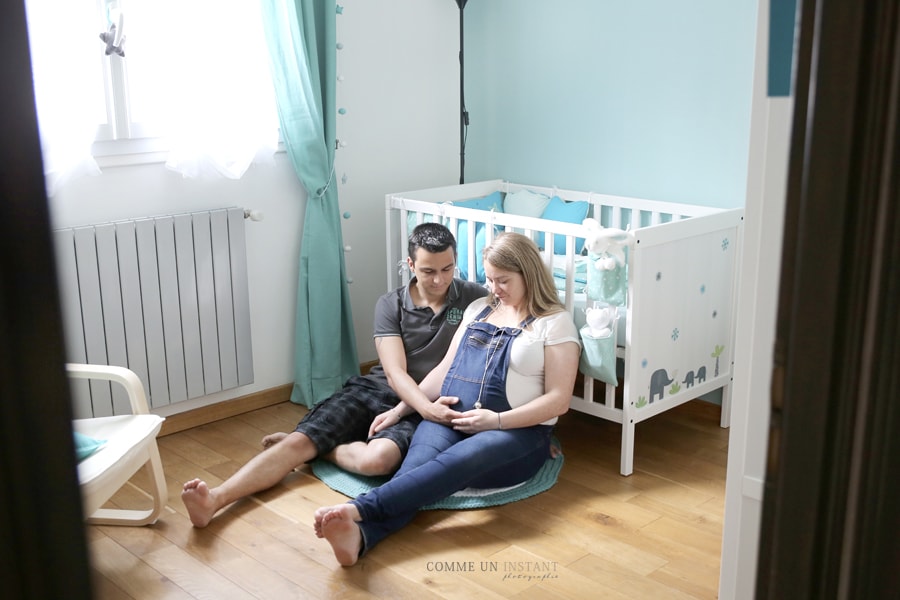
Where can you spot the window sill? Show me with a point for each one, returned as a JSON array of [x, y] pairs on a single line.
[[124, 153], [144, 151]]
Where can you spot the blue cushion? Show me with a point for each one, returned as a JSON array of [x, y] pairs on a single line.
[[493, 201], [567, 212], [86, 445], [411, 220]]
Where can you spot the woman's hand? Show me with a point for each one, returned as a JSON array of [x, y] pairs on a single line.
[[479, 419]]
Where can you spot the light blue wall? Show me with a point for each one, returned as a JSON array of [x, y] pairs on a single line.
[[646, 98]]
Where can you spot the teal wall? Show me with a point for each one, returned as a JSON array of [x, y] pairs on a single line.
[[646, 98], [782, 30]]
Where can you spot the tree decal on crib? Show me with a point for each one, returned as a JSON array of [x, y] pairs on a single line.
[[718, 351]]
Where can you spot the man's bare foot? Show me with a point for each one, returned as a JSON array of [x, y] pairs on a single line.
[[338, 526], [555, 451], [272, 439], [199, 503]]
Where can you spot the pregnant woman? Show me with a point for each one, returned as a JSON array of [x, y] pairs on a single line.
[[508, 374]]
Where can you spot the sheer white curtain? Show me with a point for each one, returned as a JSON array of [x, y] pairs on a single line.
[[199, 73], [68, 84], [195, 75]]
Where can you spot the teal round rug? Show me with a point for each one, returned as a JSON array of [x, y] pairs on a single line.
[[353, 485]]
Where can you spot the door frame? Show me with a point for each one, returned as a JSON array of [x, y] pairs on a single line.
[[829, 520]]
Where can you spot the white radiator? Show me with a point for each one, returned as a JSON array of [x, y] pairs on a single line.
[[166, 297]]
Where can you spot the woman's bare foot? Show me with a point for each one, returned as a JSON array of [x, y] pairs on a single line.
[[272, 439], [337, 524], [321, 515], [199, 502], [317, 519]]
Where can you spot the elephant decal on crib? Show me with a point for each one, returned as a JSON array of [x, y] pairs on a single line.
[[658, 382], [700, 376]]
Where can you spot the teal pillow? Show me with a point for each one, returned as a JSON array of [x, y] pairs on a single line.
[[411, 220], [86, 445], [493, 201], [567, 212]]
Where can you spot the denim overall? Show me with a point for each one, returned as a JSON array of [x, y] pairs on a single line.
[[441, 460], [478, 375]]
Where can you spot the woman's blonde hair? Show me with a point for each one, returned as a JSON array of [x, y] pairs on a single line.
[[515, 252]]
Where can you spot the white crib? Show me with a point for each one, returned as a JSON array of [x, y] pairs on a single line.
[[676, 331]]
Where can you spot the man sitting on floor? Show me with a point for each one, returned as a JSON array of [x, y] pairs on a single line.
[[353, 428]]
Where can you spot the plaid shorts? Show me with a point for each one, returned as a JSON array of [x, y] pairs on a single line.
[[347, 414]]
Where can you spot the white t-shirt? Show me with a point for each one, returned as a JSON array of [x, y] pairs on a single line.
[[525, 378]]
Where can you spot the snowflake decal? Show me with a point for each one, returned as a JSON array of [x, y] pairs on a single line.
[[644, 363], [725, 244], [702, 289], [675, 334]]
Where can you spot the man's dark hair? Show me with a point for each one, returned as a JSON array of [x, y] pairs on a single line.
[[431, 237]]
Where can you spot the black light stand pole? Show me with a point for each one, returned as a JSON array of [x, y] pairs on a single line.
[[463, 113]]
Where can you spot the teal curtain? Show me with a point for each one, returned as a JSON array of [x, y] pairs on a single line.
[[303, 52]]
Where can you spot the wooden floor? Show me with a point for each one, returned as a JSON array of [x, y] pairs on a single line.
[[595, 534]]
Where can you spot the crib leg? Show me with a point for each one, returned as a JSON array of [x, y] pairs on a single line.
[[626, 465], [725, 418]]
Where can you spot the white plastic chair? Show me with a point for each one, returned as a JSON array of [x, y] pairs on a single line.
[[130, 444]]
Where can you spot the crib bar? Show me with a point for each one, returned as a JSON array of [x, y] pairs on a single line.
[[616, 220], [403, 269], [470, 241], [570, 270], [610, 399]]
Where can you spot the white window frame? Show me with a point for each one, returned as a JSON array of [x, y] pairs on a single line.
[[122, 141]]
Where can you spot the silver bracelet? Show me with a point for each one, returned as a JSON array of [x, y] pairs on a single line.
[[499, 422]]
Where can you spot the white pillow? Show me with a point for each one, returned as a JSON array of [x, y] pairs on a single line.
[[525, 203]]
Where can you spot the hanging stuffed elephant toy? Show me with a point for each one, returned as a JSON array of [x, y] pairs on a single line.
[[606, 262]]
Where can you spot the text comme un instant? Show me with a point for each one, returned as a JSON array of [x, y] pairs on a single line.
[[471, 566]]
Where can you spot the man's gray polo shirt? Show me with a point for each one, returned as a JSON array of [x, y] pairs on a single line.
[[426, 335]]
